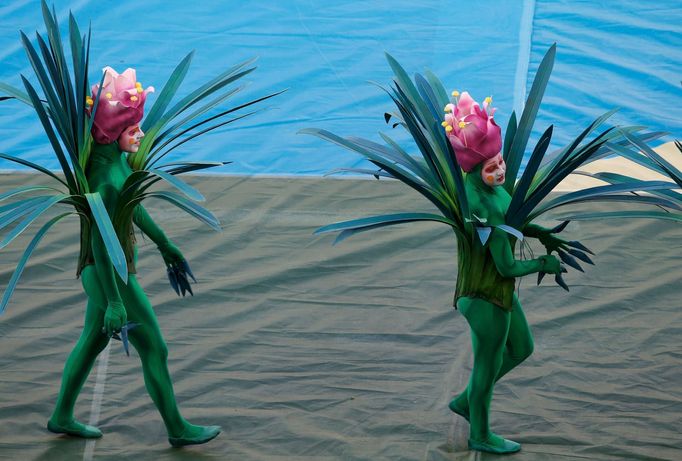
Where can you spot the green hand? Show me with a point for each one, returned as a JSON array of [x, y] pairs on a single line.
[[114, 318], [550, 264], [170, 253]]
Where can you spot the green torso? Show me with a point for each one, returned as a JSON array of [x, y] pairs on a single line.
[[477, 274], [107, 171]]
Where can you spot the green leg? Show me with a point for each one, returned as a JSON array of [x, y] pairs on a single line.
[[80, 362], [519, 341], [518, 348], [148, 341], [489, 330]]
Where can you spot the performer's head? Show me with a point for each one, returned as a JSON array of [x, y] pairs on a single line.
[[130, 139], [493, 170], [120, 105]]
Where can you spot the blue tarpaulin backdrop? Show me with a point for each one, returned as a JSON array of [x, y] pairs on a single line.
[[625, 54]]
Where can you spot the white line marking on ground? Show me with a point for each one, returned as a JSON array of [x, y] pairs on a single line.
[[97, 394]]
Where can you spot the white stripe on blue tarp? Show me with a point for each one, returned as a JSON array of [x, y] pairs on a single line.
[[523, 60]]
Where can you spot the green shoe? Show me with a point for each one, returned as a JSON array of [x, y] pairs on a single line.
[[455, 409], [495, 444], [203, 435], [75, 429]]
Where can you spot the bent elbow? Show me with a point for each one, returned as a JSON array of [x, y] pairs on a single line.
[[505, 270]]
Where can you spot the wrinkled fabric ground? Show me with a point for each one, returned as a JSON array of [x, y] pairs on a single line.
[[304, 350]]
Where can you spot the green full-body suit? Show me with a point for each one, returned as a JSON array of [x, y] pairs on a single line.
[[485, 296], [112, 303]]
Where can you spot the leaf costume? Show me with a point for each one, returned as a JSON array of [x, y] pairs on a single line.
[[491, 215], [107, 186]]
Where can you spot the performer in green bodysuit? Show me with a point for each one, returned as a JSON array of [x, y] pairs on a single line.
[[111, 304], [457, 162], [485, 295], [108, 167]]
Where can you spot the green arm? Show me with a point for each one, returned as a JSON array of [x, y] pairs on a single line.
[[147, 225], [503, 257], [534, 231]]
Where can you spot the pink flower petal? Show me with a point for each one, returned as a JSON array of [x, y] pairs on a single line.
[[464, 105], [480, 123], [110, 76], [130, 75]]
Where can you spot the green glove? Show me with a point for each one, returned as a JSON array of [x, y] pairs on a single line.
[[550, 264], [114, 318]]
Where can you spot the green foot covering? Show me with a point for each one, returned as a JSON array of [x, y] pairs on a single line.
[[195, 435], [455, 408], [495, 444], [75, 429]]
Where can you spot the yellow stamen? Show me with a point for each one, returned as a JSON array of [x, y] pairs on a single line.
[[138, 85], [89, 101], [455, 93], [139, 89], [448, 128], [133, 98], [444, 124], [462, 124], [109, 95], [489, 99]]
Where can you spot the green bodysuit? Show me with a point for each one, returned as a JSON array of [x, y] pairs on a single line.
[[112, 303], [500, 334]]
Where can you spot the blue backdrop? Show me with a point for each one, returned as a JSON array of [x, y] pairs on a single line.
[[624, 55]]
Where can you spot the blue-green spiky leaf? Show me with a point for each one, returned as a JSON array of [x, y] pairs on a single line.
[[24, 259], [108, 234]]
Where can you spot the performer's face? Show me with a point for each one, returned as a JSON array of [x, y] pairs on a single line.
[[129, 141], [493, 171]]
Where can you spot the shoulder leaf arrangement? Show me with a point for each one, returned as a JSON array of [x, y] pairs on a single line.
[[436, 172], [67, 114], [639, 152]]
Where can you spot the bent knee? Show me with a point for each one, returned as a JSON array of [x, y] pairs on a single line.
[[522, 351]]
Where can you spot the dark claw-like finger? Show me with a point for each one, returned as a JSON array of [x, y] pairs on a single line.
[[560, 227], [563, 269], [541, 275], [580, 255], [185, 266], [560, 281], [124, 339], [570, 260], [180, 278], [580, 246], [189, 287], [173, 279], [184, 284]]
